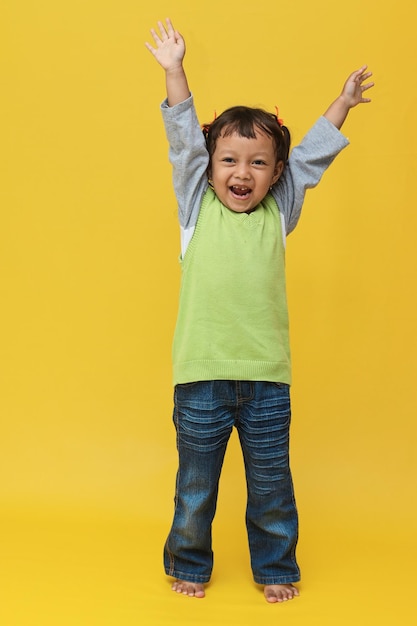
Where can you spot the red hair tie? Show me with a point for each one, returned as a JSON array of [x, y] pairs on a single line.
[[279, 120], [206, 127]]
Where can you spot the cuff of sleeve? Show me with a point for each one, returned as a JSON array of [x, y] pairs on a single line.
[[177, 108], [331, 130]]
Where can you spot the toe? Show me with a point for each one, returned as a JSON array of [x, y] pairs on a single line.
[[199, 592], [280, 593], [188, 589]]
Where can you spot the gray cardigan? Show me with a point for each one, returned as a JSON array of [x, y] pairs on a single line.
[[189, 158]]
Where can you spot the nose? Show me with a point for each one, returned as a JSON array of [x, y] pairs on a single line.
[[242, 171]]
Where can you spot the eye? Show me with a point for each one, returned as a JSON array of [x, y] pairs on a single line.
[[259, 162], [228, 160]]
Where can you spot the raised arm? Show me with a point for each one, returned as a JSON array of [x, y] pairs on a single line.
[[169, 52], [352, 94]]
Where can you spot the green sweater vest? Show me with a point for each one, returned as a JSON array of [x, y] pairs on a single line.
[[233, 320]]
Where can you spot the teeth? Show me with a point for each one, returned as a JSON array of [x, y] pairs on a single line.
[[240, 191]]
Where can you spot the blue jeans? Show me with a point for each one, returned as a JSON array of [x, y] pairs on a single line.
[[204, 416]]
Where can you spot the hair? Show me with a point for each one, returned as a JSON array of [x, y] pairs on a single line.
[[244, 121]]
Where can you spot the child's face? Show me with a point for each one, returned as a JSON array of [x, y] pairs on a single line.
[[243, 170]]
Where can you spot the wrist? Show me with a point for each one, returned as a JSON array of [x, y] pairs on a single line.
[[344, 102], [175, 71], [337, 111]]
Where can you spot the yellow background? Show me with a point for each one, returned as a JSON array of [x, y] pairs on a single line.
[[88, 286]]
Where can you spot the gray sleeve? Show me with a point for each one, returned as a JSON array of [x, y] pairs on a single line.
[[307, 163], [189, 158]]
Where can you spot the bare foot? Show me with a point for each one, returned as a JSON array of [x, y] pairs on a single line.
[[193, 590], [280, 593]]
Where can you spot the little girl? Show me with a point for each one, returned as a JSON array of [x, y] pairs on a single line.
[[238, 195]]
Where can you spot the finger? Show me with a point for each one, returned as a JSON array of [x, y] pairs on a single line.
[[163, 32], [367, 86], [155, 36], [364, 77], [170, 29], [150, 48], [178, 38], [357, 74], [362, 69]]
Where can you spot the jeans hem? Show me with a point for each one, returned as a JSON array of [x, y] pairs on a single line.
[[277, 580], [190, 578]]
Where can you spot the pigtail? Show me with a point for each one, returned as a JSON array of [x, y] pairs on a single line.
[[285, 133], [206, 127]]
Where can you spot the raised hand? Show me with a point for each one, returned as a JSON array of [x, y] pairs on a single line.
[[170, 46], [353, 88], [352, 94]]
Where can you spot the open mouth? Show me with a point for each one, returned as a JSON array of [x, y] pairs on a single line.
[[240, 192]]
